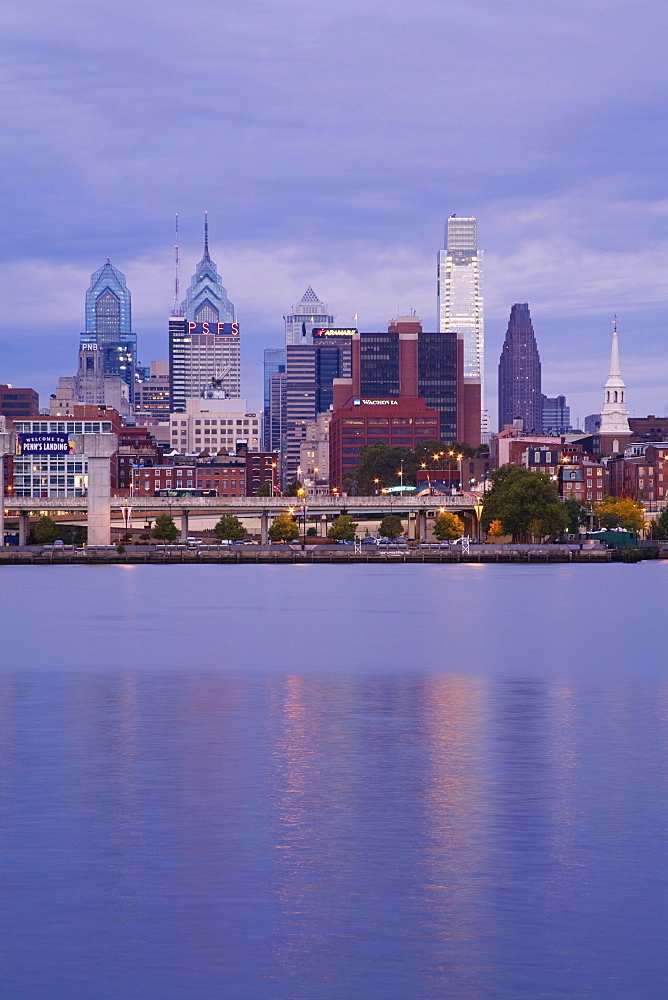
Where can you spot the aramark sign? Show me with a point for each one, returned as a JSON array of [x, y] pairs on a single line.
[[45, 444]]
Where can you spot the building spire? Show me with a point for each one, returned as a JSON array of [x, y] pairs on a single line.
[[206, 235], [615, 371], [176, 306]]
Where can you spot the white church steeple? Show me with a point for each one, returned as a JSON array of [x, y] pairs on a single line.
[[615, 415]]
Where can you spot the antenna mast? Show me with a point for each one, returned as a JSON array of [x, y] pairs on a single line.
[[176, 307]]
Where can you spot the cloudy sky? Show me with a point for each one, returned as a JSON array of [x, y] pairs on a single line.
[[329, 142]]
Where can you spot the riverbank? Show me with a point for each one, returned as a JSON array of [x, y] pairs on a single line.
[[289, 554]]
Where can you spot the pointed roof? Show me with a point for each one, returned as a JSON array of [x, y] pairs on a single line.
[[309, 296], [614, 353]]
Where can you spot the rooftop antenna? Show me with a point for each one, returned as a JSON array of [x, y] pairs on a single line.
[[206, 234], [176, 307]]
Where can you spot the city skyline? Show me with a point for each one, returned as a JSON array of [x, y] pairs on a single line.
[[572, 219]]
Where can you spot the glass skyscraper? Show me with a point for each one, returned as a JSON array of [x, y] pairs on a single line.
[[109, 324], [307, 314], [459, 293]]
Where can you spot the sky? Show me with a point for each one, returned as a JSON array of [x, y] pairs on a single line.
[[329, 142]]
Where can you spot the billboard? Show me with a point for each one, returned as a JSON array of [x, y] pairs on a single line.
[[56, 443], [340, 331]]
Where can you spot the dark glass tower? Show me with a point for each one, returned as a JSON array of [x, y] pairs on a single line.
[[520, 373]]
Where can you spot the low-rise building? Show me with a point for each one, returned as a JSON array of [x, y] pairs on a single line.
[[215, 423]]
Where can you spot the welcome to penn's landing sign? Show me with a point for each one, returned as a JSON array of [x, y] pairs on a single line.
[[56, 443]]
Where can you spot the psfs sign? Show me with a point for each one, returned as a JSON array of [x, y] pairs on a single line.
[[55, 443], [217, 329]]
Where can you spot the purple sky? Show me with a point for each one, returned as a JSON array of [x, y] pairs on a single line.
[[329, 142]]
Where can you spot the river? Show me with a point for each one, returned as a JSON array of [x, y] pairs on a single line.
[[334, 782]]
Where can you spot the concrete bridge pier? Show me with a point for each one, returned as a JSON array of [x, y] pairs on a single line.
[[24, 528], [264, 528], [6, 448], [421, 526], [98, 449], [184, 524]]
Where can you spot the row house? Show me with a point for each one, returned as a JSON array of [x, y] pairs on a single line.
[[641, 473]]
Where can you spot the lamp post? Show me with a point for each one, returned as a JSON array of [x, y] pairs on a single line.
[[477, 506], [400, 473], [377, 484], [301, 493]]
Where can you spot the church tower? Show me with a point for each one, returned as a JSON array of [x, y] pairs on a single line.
[[615, 432]]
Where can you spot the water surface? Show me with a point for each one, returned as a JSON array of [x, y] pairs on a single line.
[[392, 782]]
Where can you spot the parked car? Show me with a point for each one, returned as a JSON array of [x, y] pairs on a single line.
[[193, 541]]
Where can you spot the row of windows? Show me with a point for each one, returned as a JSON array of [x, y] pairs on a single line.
[[64, 427]]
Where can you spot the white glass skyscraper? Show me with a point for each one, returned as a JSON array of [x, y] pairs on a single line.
[[460, 302], [306, 315]]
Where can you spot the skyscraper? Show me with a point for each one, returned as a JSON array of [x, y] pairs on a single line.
[[274, 364], [204, 338], [460, 311], [520, 373], [306, 314], [614, 432], [109, 325]]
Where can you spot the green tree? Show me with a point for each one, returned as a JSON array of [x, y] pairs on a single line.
[[620, 512], [379, 461], [526, 503], [343, 529], [447, 526], [577, 514], [660, 525], [230, 528], [164, 528], [263, 490], [293, 488], [284, 529], [45, 531], [391, 526]]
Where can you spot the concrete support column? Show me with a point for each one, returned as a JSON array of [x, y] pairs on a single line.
[[184, 524], [24, 528], [421, 526], [264, 528], [6, 448], [411, 526], [98, 449]]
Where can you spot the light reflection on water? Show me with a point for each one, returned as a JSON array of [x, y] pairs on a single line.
[[254, 782]]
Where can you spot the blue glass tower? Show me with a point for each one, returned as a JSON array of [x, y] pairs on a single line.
[[206, 300], [109, 324]]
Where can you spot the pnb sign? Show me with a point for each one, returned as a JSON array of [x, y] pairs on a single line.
[[45, 444], [217, 329]]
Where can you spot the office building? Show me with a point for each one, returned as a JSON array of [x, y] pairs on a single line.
[[212, 424], [61, 475], [109, 326], [310, 373], [274, 364], [520, 396], [556, 415], [277, 411], [304, 317], [152, 396], [406, 360], [16, 403], [460, 311], [204, 349], [92, 385]]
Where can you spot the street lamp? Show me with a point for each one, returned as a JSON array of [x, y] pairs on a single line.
[[401, 474], [377, 484], [302, 494]]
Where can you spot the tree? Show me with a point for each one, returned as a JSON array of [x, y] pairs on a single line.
[[293, 488], [343, 529], [164, 528], [284, 529], [45, 531], [526, 503], [447, 526], [230, 528], [391, 526], [577, 514], [495, 529], [660, 525], [263, 490], [620, 512], [379, 461]]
